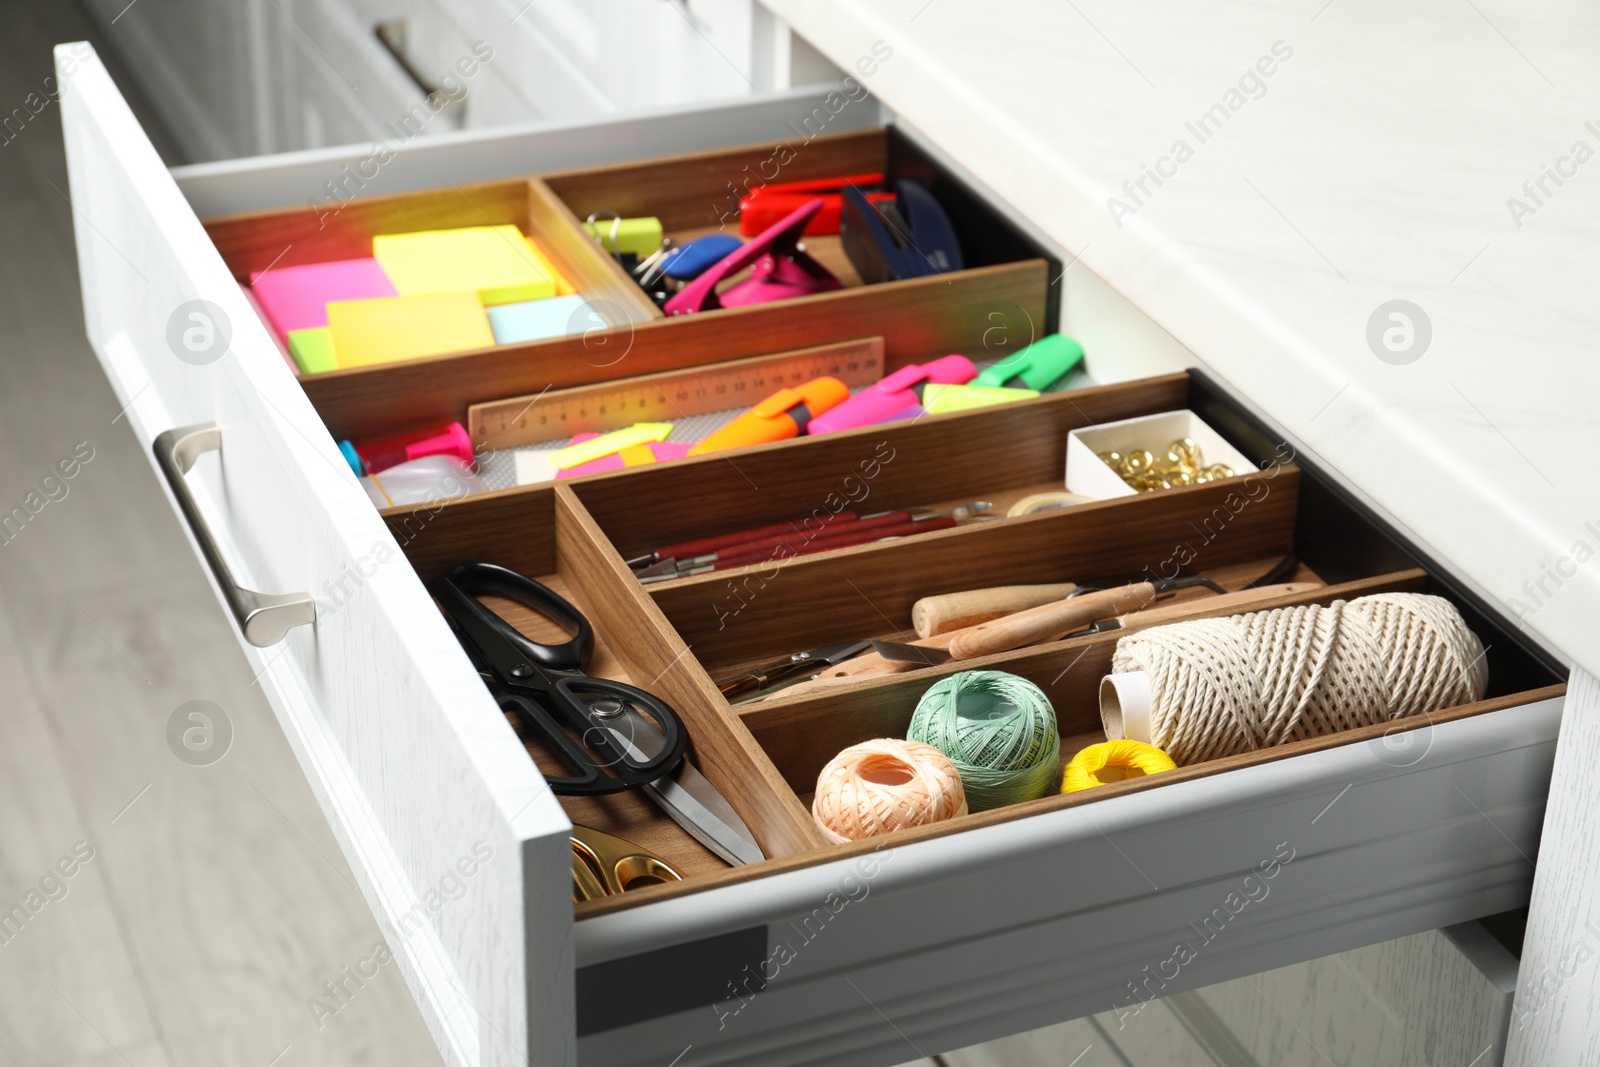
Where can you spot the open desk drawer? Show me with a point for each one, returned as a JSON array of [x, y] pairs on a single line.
[[861, 954]]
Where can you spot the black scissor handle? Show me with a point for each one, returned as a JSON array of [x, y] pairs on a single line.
[[544, 686], [616, 770], [459, 593], [662, 751]]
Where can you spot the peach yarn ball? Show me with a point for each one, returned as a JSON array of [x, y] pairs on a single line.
[[883, 785]]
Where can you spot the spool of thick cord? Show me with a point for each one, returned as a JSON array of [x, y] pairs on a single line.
[[998, 729], [1216, 687], [884, 785]]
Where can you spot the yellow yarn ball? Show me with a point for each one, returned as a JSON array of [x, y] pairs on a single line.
[[1113, 761]]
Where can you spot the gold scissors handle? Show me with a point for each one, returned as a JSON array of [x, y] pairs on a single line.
[[603, 865]]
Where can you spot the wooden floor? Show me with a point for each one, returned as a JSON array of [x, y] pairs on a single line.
[[216, 903]]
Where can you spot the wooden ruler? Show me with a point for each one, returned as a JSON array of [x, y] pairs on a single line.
[[668, 396]]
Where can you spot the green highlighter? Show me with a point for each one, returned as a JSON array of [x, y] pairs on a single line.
[[1038, 366]]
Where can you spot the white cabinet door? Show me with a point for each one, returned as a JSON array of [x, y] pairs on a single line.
[[416, 768], [204, 66]]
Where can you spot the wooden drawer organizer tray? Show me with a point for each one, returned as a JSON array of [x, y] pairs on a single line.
[[1000, 301], [674, 638]]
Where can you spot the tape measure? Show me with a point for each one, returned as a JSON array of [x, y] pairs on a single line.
[[668, 396]]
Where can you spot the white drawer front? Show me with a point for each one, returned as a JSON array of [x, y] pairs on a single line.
[[424, 163], [458, 845], [975, 936]]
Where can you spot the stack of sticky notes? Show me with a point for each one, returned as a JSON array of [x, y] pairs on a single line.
[[294, 301], [535, 320], [493, 261], [426, 293], [365, 332], [591, 453]]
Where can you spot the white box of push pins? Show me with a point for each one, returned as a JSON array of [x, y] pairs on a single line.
[[1148, 450]]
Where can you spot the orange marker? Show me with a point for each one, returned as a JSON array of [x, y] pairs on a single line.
[[779, 417]]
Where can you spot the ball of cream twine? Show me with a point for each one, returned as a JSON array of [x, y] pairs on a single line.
[[1229, 685]]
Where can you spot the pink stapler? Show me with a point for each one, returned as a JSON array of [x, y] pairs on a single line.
[[893, 393], [779, 269]]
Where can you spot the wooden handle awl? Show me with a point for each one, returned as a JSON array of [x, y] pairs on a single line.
[[933, 615], [1049, 621], [1213, 606]]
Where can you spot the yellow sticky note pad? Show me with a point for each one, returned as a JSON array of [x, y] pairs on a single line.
[[404, 327], [496, 262], [563, 287]]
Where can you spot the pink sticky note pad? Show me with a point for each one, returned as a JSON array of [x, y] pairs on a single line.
[[662, 450], [296, 298]]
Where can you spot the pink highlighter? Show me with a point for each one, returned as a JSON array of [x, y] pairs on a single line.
[[893, 393]]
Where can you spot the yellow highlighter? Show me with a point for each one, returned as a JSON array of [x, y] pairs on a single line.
[[639, 433], [943, 399]]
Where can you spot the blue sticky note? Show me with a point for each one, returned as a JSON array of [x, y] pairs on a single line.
[[537, 320]]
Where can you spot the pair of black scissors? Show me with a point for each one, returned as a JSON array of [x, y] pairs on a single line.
[[587, 720], [615, 736]]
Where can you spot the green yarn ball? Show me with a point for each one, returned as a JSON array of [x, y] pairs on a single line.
[[1000, 732]]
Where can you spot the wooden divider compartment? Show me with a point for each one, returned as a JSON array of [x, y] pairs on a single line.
[[802, 731], [993, 307], [546, 535], [756, 613], [765, 755], [698, 193], [998, 454], [288, 237]]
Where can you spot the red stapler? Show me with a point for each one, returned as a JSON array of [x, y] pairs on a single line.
[[779, 269], [766, 204]]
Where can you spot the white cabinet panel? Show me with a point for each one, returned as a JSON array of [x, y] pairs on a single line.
[[414, 765], [204, 67]]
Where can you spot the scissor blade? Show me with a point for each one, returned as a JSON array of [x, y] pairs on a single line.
[[694, 803], [686, 795]]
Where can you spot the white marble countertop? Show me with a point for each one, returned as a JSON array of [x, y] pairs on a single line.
[[1376, 161]]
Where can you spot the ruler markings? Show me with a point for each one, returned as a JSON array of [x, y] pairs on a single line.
[[666, 396]]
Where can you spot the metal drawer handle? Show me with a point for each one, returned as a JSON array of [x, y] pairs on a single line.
[[392, 35], [264, 618]]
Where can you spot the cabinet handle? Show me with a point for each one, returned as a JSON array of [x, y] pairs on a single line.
[[392, 36], [263, 618]]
